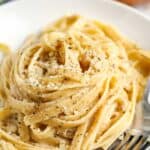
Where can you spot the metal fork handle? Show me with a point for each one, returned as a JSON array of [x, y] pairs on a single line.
[[146, 109], [146, 101]]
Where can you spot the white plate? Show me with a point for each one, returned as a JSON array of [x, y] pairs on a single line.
[[20, 18]]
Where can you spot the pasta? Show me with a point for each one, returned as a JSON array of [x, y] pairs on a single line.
[[74, 86]]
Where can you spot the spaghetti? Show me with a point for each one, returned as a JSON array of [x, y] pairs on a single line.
[[74, 86]]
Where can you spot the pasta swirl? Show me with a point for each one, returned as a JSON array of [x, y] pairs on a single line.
[[74, 86]]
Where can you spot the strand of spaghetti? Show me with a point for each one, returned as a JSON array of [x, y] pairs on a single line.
[[99, 121], [18, 143], [4, 48], [79, 136], [83, 119], [93, 94], [120, 125]]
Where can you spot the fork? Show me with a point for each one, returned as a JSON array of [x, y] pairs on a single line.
[[137, 139]]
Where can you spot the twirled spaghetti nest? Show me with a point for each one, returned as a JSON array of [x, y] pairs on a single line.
[[74, 86]]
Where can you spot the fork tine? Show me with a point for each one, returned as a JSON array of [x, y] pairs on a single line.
[[146, 145], [126, 138], [134, 143], [140, 143], [131, 140]]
